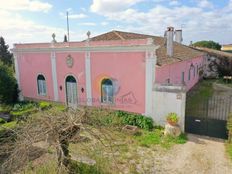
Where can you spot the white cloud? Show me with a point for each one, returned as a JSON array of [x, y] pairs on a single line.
[[25, 5], [174, 3], [204, 4], [87, 24], [198, 23], [15, 29], [77, 16], [73, 15], [105, 6], [104, 23]]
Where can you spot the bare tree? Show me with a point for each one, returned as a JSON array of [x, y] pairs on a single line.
[[56, 128]]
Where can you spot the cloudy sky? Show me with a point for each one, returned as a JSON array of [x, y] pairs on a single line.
[[35, 20]]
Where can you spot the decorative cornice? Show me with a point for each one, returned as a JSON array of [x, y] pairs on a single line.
[[130, 48]]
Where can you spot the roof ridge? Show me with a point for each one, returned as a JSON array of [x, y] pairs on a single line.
[[116, 32]]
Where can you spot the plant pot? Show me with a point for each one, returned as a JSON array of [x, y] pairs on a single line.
[[173, 123]]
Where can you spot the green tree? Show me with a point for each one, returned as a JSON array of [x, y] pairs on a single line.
[[8, 85], [208, 44], [5, 56]]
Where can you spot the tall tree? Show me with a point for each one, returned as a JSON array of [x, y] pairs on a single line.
[[8, 84], [208, 44], [5, 56]]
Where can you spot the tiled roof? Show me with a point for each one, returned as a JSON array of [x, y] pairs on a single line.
[[217, 53], [181, 52]]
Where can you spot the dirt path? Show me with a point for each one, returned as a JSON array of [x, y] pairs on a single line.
[[200, 155]]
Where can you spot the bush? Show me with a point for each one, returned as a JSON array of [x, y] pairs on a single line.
[[5, 108], [2, 121], [135, 120], [8, 85], [60, 107], [44, 105], [24, 108]]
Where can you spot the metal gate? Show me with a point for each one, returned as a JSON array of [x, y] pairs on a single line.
[[208, 117]]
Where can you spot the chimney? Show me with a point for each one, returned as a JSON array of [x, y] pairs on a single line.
[[169, 36], [178, 36]]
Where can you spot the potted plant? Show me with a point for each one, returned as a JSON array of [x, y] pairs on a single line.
[[172, 119]]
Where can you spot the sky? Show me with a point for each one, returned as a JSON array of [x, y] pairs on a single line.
[[30, 21]]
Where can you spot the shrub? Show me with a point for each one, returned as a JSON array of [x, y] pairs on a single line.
[[2, 121], [24, 108], [44, 105], [102, 117], [135, 120], [60, 107], [5, 108], [8, 85]]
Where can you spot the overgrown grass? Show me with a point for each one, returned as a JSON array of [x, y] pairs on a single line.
[[50, 167], [111, 118], [9, 125], [107, 129], [229, 150], [156, 137], [26, 108], [223, 82], [5, 108], [82, 168]]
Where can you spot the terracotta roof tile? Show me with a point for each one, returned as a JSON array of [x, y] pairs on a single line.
[[217, 53], [181, 52]]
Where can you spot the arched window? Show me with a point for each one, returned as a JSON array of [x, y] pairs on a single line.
[[41, 84], [107, 94]]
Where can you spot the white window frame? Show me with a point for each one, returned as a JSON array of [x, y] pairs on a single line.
[[107, 99], [41, 86]]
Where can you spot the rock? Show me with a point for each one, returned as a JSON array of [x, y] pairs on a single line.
[[171, 130], [130, 129]]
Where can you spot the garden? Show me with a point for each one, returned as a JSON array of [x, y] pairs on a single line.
[[100, 145]]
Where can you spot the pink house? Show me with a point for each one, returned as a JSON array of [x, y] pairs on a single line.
[[116, 69]]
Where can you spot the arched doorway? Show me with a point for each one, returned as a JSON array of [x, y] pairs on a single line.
[[71, 91]]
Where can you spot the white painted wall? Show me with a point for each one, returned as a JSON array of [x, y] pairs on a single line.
[[169, 99], [150, 78], [150, 62]]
